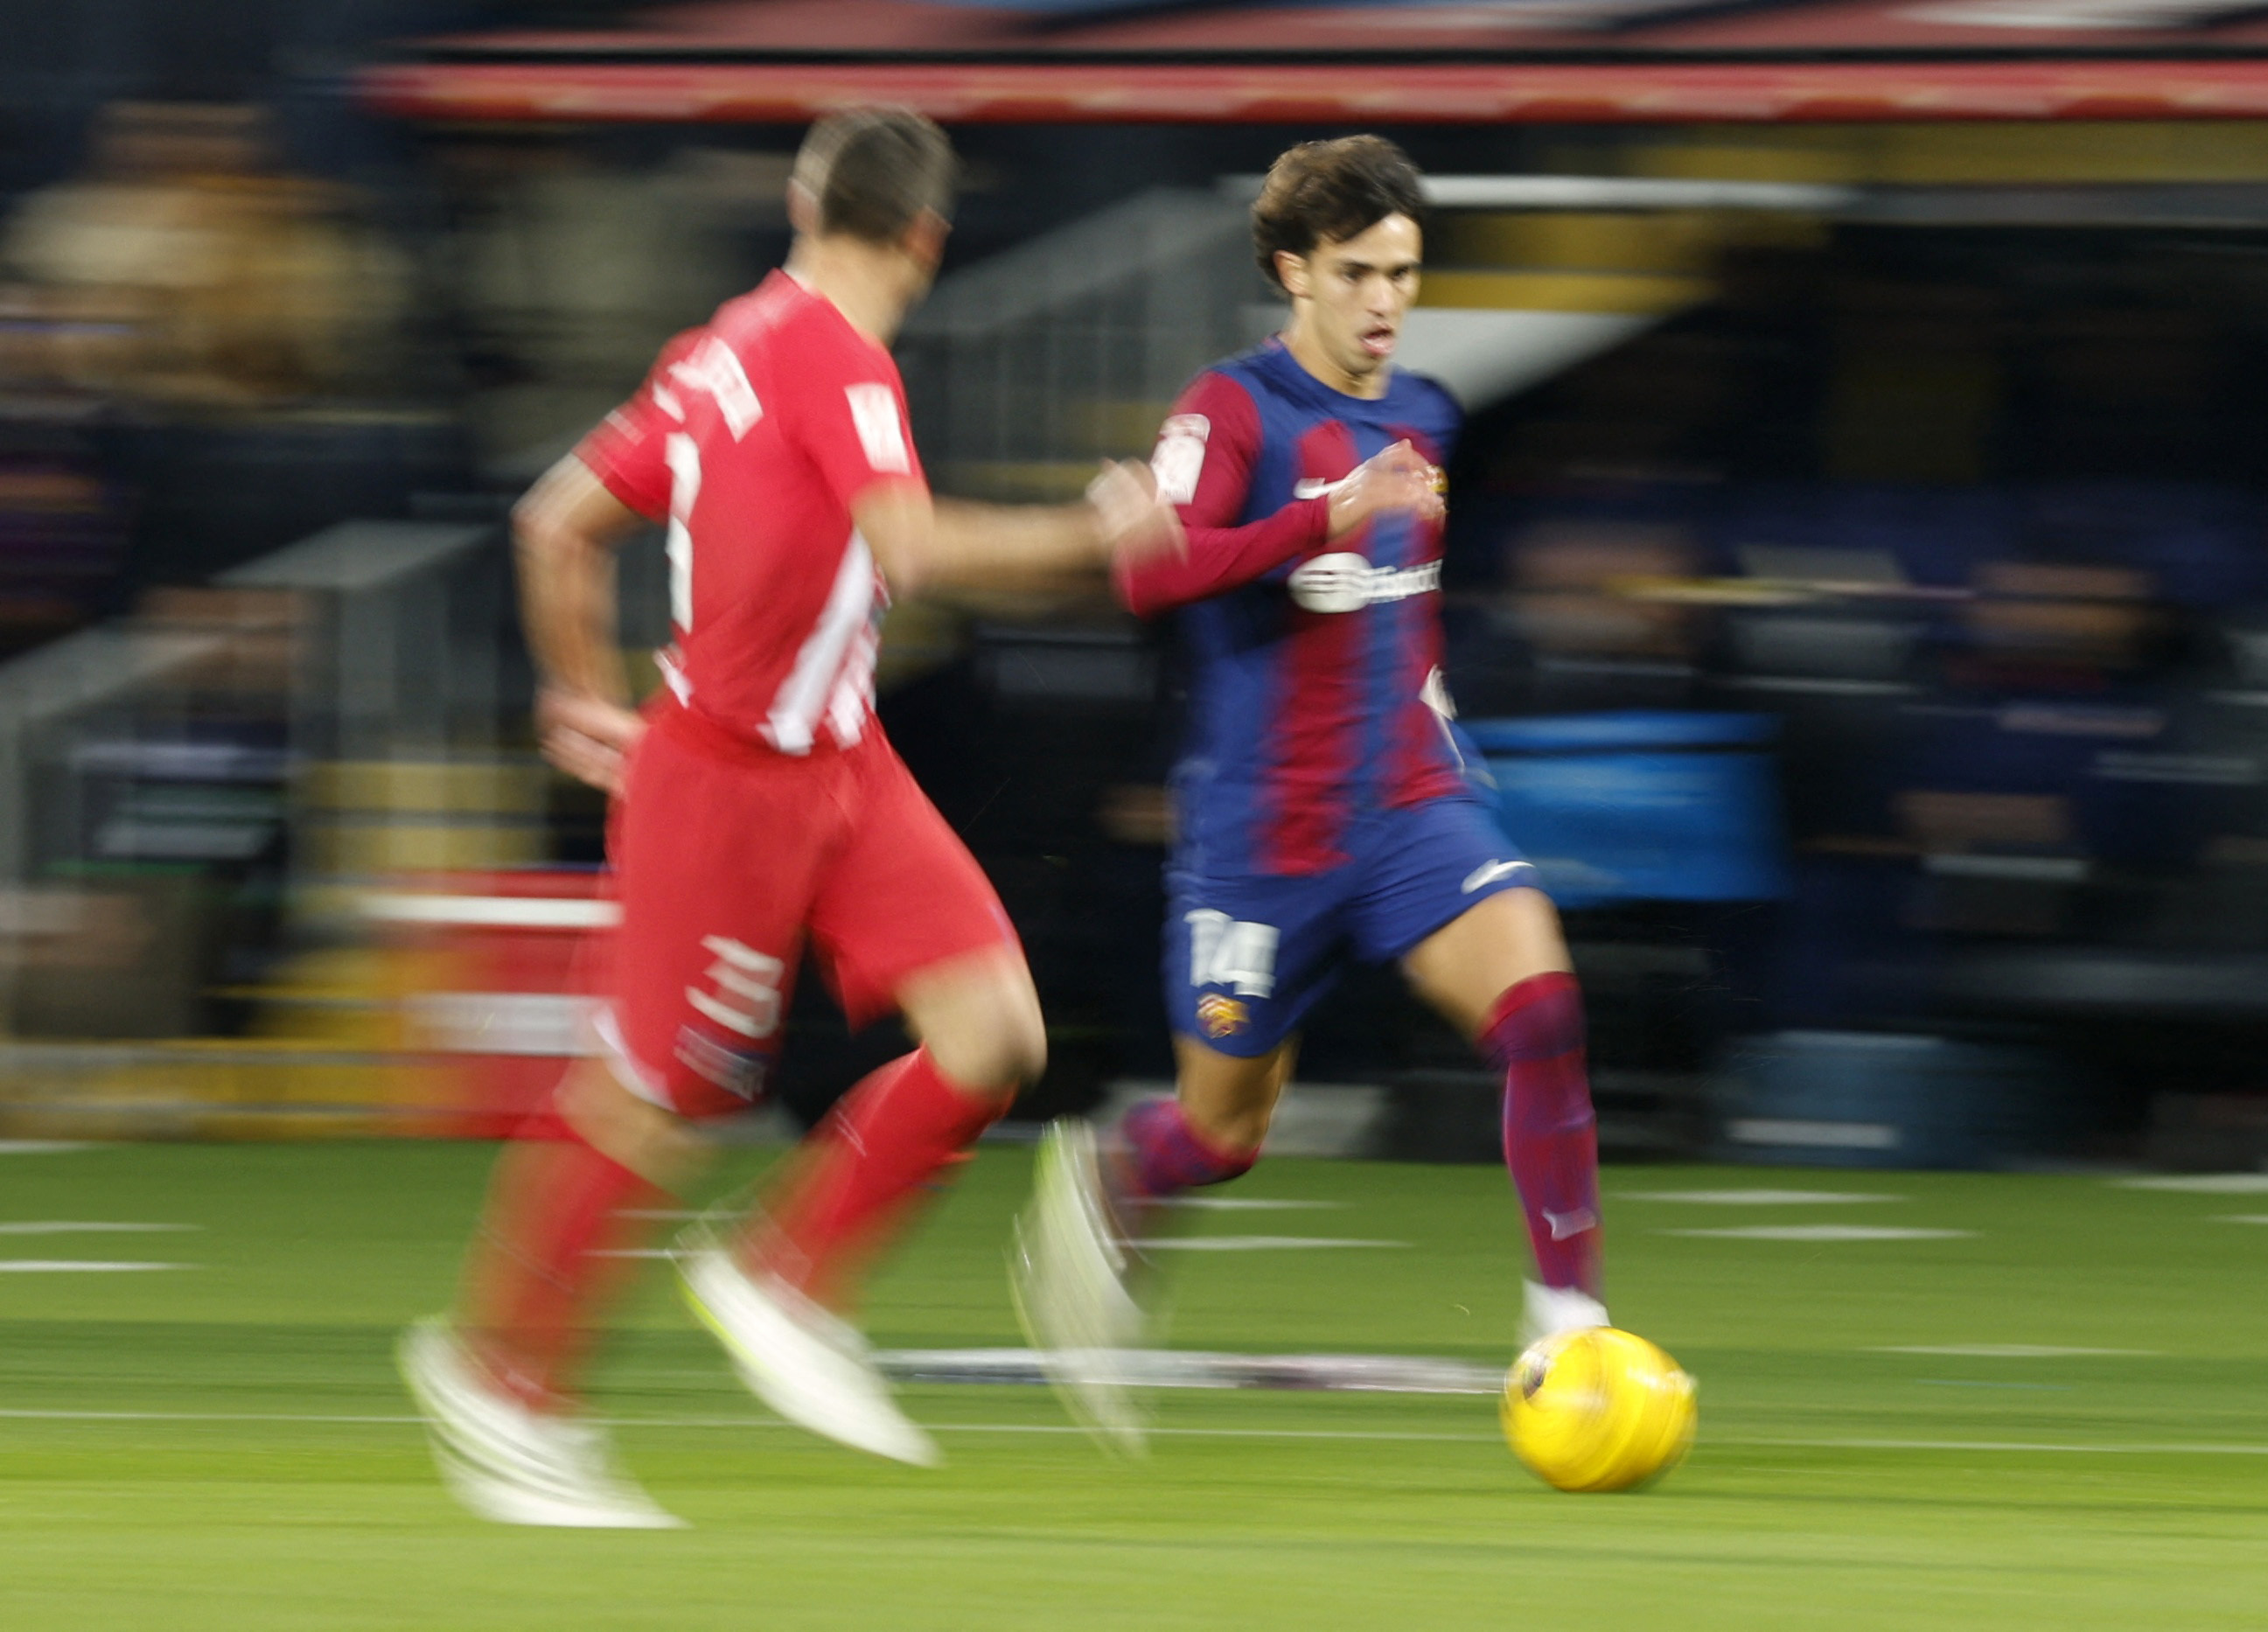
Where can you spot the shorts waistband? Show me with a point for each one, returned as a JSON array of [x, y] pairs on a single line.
[[696, 729]]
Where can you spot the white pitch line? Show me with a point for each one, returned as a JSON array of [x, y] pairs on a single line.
[[62, 1227], [1253, 1243], [2018, 1446], [1245, 1204], [2006, 1351], [1756, 1198], [2256, 1218], [24, 1414], [2200, 1184], [1184, 1368], [40, 1147], [2006, 1446], [76, 1265], [1823, 1232]]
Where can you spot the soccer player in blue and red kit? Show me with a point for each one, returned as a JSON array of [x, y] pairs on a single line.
[[1323, 797]]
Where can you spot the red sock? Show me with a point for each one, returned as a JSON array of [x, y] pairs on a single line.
[[863, 1169], [547, 1259], [1534, 1036]]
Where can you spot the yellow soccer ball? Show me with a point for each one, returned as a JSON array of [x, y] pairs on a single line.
[[1598, 1410]]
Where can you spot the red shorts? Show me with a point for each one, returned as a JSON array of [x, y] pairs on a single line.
[[726, 856]]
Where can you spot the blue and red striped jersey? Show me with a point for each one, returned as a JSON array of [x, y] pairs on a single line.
[[1312, 661]]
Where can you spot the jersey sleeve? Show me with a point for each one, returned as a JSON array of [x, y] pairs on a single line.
[[848, 414], [625, 451], [1204, 463]]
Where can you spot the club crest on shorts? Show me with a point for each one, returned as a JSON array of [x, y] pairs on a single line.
[[1222, 1017]]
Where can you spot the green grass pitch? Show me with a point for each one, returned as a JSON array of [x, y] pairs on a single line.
[[225, 1446]]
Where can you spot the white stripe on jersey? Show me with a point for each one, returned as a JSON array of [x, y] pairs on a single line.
[[683, 454], [819, 667], [854, 693]]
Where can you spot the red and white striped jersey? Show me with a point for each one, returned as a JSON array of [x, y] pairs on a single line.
[[755, 435]]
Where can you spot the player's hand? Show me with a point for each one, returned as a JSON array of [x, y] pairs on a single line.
[[1396, 480], [1133, 522], [588, 738]]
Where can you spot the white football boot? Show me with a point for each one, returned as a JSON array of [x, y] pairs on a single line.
[[508, 1463], [1551, 1309], [809, 1366], [1068, 1270]]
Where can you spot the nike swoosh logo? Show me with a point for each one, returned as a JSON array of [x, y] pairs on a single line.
[[1315, 487], [1488, 872]]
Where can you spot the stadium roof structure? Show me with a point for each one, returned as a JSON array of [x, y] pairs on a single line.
[[1386, 62]]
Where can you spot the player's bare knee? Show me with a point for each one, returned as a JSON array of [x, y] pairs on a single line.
[[980, 1021], [1024, 1044], [1003, 1047], [659, 1146]]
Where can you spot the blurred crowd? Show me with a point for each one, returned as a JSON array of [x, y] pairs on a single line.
[[1956, 532], [181, 266]]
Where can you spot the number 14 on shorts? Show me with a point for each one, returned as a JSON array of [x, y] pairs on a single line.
[[1228, 952]]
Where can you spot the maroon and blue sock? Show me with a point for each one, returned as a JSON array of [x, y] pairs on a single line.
[[1534, 1036], [1163, 1155]]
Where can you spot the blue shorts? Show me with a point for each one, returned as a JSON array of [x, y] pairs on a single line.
[[1247, 954]]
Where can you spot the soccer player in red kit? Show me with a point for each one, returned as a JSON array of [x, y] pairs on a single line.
[[1323, 801], [759, 807]]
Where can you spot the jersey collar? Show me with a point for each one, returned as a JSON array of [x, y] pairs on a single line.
[[1275, 359]]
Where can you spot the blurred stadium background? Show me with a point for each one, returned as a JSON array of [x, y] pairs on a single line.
[[1859, 567]]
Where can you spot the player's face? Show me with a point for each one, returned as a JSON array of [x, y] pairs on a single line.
[[1353, 294]]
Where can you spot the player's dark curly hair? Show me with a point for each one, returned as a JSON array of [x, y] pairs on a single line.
[[873, 169], [1327, 192]]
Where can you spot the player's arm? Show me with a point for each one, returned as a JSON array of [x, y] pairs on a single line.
[[565, 532], [565, 535], [1205, 460], [923, 542], [852, 427]]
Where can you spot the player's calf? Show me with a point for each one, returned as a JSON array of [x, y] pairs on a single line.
[[1535, 1035], [881, 1150], [566, 1205]]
